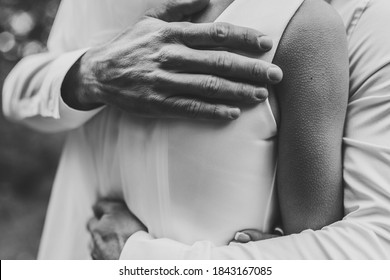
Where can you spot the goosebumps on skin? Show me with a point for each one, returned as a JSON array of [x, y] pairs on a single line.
[[310, 107], [312, 101]]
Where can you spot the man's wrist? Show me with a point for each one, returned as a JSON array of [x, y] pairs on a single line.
[[75, 92]]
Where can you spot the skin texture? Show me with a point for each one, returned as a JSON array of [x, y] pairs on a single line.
[[312, 100], [149, 68], [310, 106]]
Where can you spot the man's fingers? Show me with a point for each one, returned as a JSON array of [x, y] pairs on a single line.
[[92, 224], [107, 207], [197, 109], [222, 64], [95, 247], [177, 10], [212, 87], [94, 256], [225, 35]]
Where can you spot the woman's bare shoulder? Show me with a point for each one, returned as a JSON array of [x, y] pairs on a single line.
[[313, 55], [315, 36], [315, 24]]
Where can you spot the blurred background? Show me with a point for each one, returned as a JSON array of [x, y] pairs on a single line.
[[28, 160]]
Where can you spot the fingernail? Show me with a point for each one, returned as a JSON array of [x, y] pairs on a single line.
[[275, 74], [279, 231], [261, 94], [242, 237], [265, 42], [235, 113]]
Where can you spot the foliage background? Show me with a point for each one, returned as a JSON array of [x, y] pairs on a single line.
[[28, 159]]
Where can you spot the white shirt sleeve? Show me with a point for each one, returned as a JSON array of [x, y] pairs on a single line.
[[364, 233], [32, 91]]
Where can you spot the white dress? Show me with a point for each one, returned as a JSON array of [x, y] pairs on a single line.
[[101, 158]]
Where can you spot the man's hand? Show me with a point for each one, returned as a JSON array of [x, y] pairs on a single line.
[[162, 67], [112, 225]]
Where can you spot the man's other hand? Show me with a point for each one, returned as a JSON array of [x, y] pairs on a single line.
[[112, 225]]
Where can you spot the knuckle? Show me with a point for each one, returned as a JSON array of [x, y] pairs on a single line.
[[212, 85], [188, 35], [178, 30], [251, 93], [245, 92], [165, 33], [215, 112], [173, 106], [164, 55], [156, 78], [169, 32], [151, 99], [219, 32], [159, 80], [246, 36], [256, 70], [155, 99], [194, 108], [242, 90], [167, 56], [224, 62]]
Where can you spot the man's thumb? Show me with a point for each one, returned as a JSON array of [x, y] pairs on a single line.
[[247, 235], [177, 10]]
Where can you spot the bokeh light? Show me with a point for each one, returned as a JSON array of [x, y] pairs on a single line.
[[7, 42], [22, 23], [28, 159], [24, 26]]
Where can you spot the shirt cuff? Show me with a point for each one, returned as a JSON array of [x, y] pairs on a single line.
[[73, 118], [56, 107]]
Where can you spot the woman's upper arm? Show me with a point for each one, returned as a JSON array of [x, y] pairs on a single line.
[[312, 101]]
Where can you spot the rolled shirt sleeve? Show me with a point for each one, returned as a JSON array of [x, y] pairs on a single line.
[[364, 233], [32, 91]]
